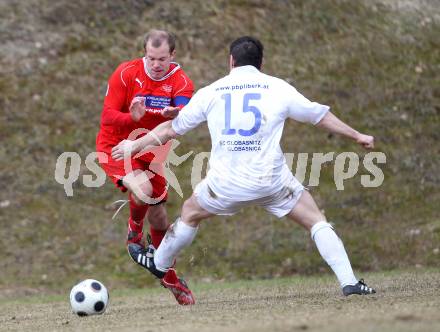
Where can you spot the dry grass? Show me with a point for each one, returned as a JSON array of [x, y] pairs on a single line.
[[377, 67]]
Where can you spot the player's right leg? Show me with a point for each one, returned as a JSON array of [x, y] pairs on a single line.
[[307, 214], [139, 189], [180, 234], [202, 204]]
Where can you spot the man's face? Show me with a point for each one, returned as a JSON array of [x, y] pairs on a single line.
[[158, 59]]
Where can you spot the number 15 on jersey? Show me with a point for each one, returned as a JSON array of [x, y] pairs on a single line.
[[246, 108]]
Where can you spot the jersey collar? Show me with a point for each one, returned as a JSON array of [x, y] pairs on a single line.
[[244, 69], [171, 72]]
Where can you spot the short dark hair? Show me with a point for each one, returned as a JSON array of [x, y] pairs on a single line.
[[157, 37], [247, 50]]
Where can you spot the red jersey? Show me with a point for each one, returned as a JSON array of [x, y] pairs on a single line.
[[131, 79]]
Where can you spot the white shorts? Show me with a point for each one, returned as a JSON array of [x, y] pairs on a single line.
[[279, 204]]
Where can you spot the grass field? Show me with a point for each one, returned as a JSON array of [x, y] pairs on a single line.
[[376, 63], [405, 301]]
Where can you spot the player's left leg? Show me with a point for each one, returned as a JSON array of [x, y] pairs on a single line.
[[158, 219], [157, 215], [307, 214]]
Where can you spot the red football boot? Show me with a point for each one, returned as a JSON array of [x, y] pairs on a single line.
[[178, 287]]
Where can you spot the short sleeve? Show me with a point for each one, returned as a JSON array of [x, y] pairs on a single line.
[[183, 89], [192, 114], [303, 110]]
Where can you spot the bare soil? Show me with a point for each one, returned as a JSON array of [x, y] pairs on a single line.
[[405, 301]]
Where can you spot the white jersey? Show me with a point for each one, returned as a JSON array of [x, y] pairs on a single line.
[[246, 111]]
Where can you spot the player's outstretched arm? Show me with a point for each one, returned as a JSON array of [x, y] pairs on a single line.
[[158, 136], [331, 123]]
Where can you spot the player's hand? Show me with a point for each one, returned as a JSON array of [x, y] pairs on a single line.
[[170, 112], [137, 108], [123, 150], [366, 141]]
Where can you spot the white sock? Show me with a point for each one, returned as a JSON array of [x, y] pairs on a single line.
[[332, 250], [178, 236]]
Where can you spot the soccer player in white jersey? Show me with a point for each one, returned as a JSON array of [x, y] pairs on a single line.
[[245, 112]]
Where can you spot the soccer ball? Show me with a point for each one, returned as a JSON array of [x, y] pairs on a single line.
[[89, 297]]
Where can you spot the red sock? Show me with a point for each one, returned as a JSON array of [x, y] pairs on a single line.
[[171, 277], [137, 214], [135, 226], [156, 236]]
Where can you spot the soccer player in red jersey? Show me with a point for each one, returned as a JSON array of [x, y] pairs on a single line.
[[141, 94]]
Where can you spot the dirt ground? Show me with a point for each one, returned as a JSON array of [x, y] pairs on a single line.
[[405, 301]]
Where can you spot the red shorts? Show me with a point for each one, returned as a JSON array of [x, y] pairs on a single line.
[[116, 170]]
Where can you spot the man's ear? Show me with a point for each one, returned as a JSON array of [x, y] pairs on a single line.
[[173, 54], [231, 62]]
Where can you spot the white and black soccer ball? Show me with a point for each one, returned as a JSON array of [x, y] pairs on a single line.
[[89, 297]]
